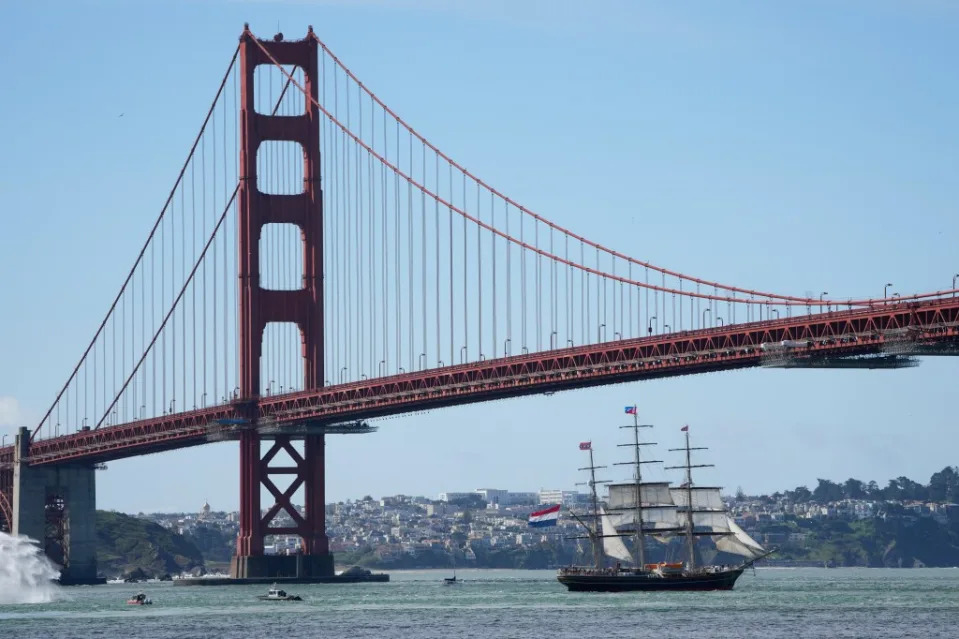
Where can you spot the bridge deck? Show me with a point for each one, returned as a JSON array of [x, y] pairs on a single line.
[[918, 328]]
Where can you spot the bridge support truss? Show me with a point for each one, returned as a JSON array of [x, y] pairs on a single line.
[[56, 505], [259, 306]]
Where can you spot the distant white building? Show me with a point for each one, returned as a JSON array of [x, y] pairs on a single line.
[[564, 497], [494, 496]]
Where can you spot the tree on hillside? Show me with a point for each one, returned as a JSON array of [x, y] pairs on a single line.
[[944, 485], [800, 495], [827, 491], [854, 489], [904, 489]]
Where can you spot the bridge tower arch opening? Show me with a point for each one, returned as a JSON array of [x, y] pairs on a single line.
[[262, 303]]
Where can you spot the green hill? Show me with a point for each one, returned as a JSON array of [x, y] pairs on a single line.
[[130, 545]]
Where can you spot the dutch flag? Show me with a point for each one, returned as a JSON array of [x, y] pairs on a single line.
[[545, 517]]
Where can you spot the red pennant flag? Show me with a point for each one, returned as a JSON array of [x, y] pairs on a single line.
[[685, 428], [585, 445]]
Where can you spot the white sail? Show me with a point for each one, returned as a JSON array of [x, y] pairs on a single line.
[[652, 494], [703, 498], [739, 543], [612, 546], [657, 518], [661, 517], [711, 521]]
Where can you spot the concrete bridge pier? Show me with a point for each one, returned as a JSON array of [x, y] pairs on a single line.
[[56, 505]]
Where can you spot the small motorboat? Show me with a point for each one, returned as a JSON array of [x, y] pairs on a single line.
[[451, 581], [139, 599], [275, 594]]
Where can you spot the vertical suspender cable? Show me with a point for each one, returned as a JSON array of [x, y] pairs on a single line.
[[479, 275], [423, 251], [216, 387], [492, 222], [452, 323], [466, 336], [226, 282], [436, 207]]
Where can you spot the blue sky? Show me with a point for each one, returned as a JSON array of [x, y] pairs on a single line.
[[792, 149]]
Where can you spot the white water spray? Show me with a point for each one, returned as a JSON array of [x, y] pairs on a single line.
[[26, 575]]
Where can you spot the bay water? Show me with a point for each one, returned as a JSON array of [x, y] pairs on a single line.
[[800, 602]]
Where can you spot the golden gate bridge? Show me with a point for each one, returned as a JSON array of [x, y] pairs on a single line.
[[318, 262]]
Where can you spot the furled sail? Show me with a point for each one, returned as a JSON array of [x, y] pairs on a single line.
[[612, 546], [739, 543]]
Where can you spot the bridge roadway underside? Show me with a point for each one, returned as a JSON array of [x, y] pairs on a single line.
[[903, 330]]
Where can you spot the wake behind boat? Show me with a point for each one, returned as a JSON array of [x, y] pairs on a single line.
[[640, 509]]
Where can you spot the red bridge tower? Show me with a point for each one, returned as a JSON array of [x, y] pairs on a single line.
[[259, 306]]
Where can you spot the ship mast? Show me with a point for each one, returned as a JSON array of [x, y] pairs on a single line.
[[594, 534], [690, 542], [639, 554]]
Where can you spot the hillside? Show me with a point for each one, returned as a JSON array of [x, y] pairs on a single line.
[[126, 544], [894, 541]]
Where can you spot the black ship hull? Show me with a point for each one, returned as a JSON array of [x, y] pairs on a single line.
[[648, 581]]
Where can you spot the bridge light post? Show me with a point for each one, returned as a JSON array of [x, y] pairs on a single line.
[[705, 310], [3, 441], [820, 299], [896, 296], [463, 352], [652, 323], [884, 291], [401, 369], [382, 367], [363, 376], [665, 328], [421, 361], [506, 344], [342, 370], [720, 320], [601, 333], [776, 311], [551, 337], [269, 388], [619, 334], [143, 407], [954, 277], [569, 343]]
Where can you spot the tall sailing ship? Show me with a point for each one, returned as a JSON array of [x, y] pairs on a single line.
[[641, 509]]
